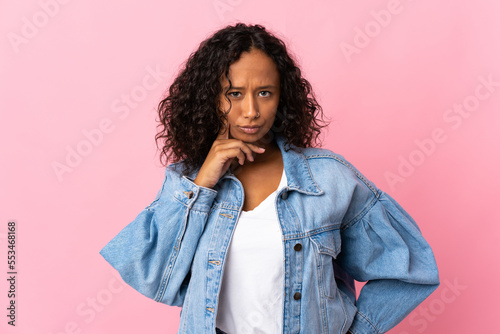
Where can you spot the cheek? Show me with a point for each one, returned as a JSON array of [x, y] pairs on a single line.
[[270, 118], [231, 117], [273, 117], [272, 113]]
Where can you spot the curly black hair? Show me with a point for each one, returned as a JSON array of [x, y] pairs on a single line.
[[190, 115]]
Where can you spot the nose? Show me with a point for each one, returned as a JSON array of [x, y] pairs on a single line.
[[250, 107]]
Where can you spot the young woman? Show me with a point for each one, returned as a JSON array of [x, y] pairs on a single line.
[[255, 230]]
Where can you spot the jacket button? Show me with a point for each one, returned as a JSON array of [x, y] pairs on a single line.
[[296, 295], [284, 195], [189, 194], [297, 247]]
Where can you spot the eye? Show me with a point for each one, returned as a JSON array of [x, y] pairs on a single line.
[[234, 94], [265, 93]]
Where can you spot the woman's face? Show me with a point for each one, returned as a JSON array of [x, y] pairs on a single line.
[[254, 96]]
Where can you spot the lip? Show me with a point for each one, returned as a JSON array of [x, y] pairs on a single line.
[[250, 129]]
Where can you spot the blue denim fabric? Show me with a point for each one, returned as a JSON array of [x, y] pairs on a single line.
[[174, 251]]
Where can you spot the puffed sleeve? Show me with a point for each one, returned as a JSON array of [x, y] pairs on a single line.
[[154, 252], [384, 246]]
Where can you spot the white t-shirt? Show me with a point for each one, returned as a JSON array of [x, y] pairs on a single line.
[[250, 300]]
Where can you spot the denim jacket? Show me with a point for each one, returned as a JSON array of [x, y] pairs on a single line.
[[174, 251]]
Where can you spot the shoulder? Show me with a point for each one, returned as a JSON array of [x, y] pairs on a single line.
[[179, 169], [324, 162], [176, 178], [341, 181]]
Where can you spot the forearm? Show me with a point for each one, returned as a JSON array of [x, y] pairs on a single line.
[[382, 304]]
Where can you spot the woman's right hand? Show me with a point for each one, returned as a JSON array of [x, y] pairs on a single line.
[[220, 157]]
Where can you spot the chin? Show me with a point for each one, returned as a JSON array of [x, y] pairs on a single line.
[[249, 138]]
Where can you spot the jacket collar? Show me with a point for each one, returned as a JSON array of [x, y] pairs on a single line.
[[297, 169]]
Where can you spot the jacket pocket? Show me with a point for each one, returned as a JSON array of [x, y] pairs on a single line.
[[327, 245]]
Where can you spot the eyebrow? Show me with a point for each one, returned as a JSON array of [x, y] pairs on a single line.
[[261, 87]]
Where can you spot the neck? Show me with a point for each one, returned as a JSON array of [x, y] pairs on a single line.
[[271, 150]]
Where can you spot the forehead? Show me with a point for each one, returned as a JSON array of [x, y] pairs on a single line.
[[253, 66]]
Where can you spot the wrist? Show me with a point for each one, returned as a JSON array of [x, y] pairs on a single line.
[[199, 182]]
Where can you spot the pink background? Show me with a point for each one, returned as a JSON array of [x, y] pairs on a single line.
[[71, 67]]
